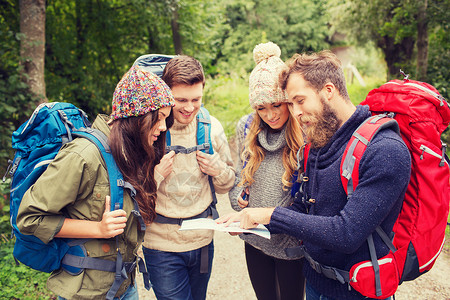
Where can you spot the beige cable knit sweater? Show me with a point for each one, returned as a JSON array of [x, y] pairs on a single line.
[[186, 192]]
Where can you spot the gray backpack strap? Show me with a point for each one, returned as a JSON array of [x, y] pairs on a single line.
[[329, 272], [89, 263], [184, 150]]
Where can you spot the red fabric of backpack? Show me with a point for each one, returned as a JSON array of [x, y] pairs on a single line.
[[419, 232]]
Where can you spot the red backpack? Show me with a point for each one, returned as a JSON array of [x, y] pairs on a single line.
[[419, 232]]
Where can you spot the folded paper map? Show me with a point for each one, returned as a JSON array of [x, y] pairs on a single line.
[[204, 223]]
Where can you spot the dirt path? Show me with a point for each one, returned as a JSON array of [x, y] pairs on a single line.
[[229, 278]]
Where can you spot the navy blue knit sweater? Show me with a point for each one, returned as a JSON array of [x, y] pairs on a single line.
[[335, 230]]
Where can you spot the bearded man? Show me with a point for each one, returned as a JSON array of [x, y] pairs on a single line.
[[334, 228]]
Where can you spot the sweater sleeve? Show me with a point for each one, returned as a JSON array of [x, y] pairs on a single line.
[[384, 175], [225, 180]]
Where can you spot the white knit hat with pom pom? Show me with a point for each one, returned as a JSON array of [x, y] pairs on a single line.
[[263, 81]]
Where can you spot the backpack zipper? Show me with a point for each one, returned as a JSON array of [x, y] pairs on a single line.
[[42, 163], [382, 261], [425, 149], [430, 92]]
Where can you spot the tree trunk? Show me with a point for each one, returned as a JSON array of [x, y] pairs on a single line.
[[32, 46], [397, 55], [176, 31], [422, 41]]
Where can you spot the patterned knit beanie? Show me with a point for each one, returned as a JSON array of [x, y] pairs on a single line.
[[263, 81], [139, 92]]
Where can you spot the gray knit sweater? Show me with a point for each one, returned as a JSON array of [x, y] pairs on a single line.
[[267, 190]]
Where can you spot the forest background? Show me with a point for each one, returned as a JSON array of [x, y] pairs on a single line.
[[77, 51]]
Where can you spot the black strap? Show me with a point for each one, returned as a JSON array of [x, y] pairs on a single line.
[[204, 262], [213, 204], [210, 211]]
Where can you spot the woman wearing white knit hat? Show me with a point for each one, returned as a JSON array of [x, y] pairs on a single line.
[[268, 141]]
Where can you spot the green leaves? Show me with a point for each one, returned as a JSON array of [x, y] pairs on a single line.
[[20, 282]]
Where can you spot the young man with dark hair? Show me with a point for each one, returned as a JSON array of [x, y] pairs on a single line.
[[179, 262], [334, 228]]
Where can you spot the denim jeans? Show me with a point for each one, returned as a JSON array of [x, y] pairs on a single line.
[[130, 294], [176, 275], [312, 294]]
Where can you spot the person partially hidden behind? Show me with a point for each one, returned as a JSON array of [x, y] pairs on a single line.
[[334, 228]]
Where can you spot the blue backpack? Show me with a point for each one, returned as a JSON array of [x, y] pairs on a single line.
[[37, 142]]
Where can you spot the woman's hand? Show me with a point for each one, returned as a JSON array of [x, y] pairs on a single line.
[[113, 222], [242, 200]]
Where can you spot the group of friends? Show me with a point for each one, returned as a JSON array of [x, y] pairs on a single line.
[[302, 101]]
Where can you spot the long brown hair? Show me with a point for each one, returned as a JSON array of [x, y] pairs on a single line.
[[254, 154], [136, 158]]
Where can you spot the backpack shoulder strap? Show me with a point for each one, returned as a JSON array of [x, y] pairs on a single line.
[[204, 143], [357, 145], [204, 130], [247, 125], [305, 155], [116, 181]]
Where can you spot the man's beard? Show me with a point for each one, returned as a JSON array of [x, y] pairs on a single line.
[[321, 126]]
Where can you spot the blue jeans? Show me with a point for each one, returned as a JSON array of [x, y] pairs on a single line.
[[130, 294], [312, 294], [176, 275]]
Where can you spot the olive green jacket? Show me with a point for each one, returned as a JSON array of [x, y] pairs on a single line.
[[75, 185]]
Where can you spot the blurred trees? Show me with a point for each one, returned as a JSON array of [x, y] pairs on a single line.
[[295, 26], [408, 32], [89, 45]]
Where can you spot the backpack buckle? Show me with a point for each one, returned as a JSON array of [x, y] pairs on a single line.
[[12, 167]]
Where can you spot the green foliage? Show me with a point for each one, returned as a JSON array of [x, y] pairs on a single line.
[[227, 99], [5, 226], [358, 93], [439, 49], [20, 282], [16, 100], [296, 26], [447, 237], [390, 25]]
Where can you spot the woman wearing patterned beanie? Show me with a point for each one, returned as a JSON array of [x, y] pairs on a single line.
[[268, 141], [71, 199]]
